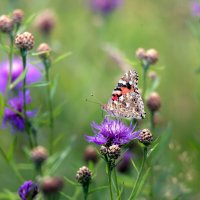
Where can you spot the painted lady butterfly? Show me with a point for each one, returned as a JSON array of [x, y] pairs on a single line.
[[126, 101]]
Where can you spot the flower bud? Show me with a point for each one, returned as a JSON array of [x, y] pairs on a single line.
[[51, 185], [28, 190], [151, 56], [114, 151], [90, 154], [152, 75], [103, 150], [45, 22], [154, 102], [17, 16], [44, 50], [24, 41], [145, 137], [84, 175], [6, 24], [39, 155], [140, 53]]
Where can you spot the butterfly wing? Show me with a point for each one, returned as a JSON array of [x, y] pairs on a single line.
[[126, 101]]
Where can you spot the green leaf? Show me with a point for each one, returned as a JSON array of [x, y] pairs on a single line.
[[98, 189], [134, 165], [20, 78], [65, 195], [142, 181], [161, 143], [12, 148], [38, 84], [61, 57], [71, 182], [54, 86]]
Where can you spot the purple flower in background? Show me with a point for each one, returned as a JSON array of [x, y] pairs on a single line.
[[28, 190], [196, 8], [105, 6], [111, 132], [33, 73], [125, 162], [15, 119]]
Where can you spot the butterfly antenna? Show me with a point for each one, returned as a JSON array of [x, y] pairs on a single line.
[[91, 101]]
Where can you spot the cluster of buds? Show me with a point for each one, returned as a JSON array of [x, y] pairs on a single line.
[[7, 23], [84, 176], [146, 137], [149, 56], [113, 152], [24, 41], [90, 155]]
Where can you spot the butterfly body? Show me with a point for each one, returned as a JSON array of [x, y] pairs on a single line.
[[126, 101]]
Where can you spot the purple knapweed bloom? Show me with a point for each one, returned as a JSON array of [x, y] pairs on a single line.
[[28, 190], [112, 132], [15, 119], [33, 74], [196, 8], [105, 6]]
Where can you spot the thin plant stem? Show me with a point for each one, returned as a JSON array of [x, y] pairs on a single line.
[[10, 58], [109, 170], [152, 120], [135, 189], [145, 67], [116, 184], [26, 122], [85, 191], [12, 165], [51, 118]]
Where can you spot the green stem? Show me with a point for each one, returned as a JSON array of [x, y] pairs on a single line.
[[116, 184], [109, 169], [134, 191], [10, 57], [26, 122], [85, 191], [152, 120], [47, 65], [145, 69]]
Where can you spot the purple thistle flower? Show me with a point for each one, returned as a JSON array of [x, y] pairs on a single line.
[[15, 119], [196, 8], [33, 74], [28, 190], [112, 132], [105, 6]]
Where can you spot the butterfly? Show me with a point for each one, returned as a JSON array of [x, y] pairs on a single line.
[[126, 101]]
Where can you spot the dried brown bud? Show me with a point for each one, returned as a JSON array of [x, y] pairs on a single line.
[[114, 151], [24, 41], [151, 56], [51, 185], [145, 137], [17, 16], [154, 102], [39, 155], [140, 53], [45, 22], [103, 150], [6, 24], [90, 154], [44, 50], [84, 175]]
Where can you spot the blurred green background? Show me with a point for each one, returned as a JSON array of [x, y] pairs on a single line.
[[163, 25]]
